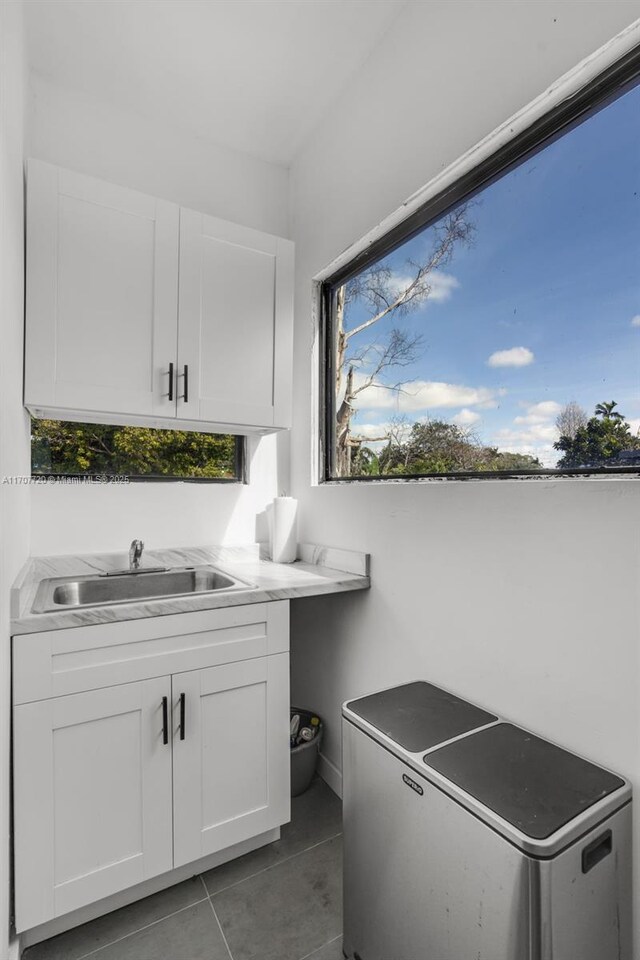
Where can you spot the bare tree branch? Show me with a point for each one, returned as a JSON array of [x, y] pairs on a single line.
[[377, 289], [571, 418], [455, 229]]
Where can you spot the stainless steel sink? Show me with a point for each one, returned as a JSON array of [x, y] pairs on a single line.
[[98, 589]]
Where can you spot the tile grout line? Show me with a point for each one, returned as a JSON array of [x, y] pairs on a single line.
[[321, 947], [208, 896], [217, 919], [271, 866], [140, 929]]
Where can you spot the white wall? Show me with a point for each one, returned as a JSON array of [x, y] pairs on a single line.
[[68, 518], [14, 452], [93, 137], [522, 596], [73, 130]]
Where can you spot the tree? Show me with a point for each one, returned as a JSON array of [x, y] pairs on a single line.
[[435, 446], [505, 460], [571, 418], [376, 290], [365, 462], [96, 449], [600, 442], [607, 412]]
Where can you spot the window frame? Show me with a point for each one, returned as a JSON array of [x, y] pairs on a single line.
[[240, 466], [592, 97]]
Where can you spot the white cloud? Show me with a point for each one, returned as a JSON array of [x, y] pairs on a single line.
[[533, 433], [540, 412], [635, 321], [537, 441], [370, 430], [545, 453], [634, 426], [426, 395], [536, 433], [466, 417], [514, 357], [546, 408], [441, 284]]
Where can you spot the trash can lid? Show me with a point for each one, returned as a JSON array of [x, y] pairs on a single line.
[[529, 782], [418, 715]]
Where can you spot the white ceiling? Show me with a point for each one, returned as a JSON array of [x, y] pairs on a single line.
[[253, 75]]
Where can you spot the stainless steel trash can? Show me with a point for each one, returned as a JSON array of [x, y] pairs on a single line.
[[469, 838]]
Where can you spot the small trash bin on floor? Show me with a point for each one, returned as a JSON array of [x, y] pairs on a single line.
[[306, 737]]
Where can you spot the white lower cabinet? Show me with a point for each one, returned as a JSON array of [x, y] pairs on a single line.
[[230, 771], [115, 785], [93, 797]]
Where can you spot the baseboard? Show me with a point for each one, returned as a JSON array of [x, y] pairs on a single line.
[[61, 924], [331, 774], [15, 948]]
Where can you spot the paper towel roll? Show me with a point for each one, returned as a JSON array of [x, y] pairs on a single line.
[[285, 530], [269, 512]]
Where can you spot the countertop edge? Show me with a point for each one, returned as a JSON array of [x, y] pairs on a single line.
[[307, 577]]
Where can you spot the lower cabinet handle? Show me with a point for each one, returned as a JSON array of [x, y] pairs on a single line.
[[165, 720], [182, 715]]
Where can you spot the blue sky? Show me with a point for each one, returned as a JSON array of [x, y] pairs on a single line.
[[542, 309]]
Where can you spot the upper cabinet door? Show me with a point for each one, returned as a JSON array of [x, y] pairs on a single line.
[[236, 324], [102, 284]]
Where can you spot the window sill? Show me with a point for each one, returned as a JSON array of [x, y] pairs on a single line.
[[597, 475]]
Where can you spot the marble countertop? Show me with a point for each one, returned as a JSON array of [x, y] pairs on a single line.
[[319, 570]]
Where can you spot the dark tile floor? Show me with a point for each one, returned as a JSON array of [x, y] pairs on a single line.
[[282, 902]]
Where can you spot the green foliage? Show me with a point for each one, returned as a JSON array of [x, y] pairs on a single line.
[[501, 460], [365, 463], [607, 411], [435, 446], [600, 442], [60, 447]]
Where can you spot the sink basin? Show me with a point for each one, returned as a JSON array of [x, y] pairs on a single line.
[[97, 590]]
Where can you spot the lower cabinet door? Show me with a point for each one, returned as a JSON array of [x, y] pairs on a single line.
[[230, 754], [92, 792]]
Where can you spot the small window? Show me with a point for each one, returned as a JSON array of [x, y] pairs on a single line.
[[87, 450], [497, 332]]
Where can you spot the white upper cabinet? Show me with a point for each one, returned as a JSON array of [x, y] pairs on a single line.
[[141, 312], [235, 331], [102, 292]]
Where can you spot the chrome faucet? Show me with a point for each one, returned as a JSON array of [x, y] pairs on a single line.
[[135, 554]]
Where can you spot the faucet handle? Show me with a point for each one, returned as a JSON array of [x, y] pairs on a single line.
[[135, 553]]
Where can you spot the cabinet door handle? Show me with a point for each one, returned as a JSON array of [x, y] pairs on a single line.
[[165, 720], [185, 395], [170, 381], [182, 715]]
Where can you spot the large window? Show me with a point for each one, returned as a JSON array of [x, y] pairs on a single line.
[[498, 331], [109, 453]]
